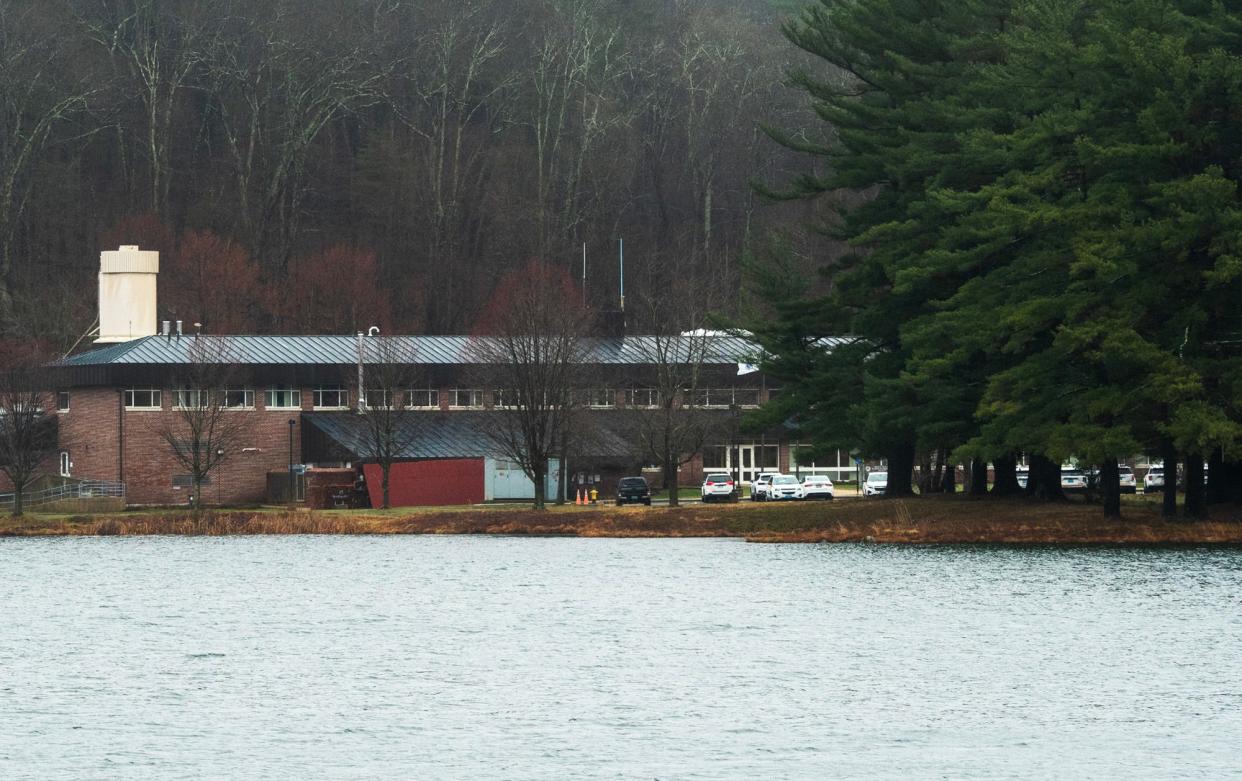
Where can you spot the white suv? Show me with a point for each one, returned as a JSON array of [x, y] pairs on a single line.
[[1154, 479], [1126, 479], [759, 489], [876, 485], [719, 487], [785, 487]]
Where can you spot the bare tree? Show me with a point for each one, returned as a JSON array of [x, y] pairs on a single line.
[[533, 355], [205, 425], [671, 423], [389, 370], [33, 101], [28, 432]]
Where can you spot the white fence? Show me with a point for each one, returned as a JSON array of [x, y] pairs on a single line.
[[85, 489]]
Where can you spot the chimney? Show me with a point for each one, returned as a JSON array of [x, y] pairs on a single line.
[[127, 279]]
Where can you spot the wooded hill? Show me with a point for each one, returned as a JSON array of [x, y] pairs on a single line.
[[310, 167]]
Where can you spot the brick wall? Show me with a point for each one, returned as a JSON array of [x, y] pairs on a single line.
[[92, 433]]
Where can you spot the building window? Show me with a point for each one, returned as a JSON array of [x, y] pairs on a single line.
[[143, 398], [601, 398], [505, 398], [331, 397], [423, 398], [715, 457], [282, 397], [746, 397], [65, 464], [62, 401], [466, 399], [642, 397], [187, 481], [190, 398], [378, 398], [239, 398], [696, 397]]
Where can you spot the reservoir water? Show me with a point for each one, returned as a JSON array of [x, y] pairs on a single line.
[[504, 658]]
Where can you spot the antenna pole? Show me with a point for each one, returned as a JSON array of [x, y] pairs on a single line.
[[621, 251]]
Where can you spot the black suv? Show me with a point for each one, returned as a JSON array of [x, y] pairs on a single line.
[[633, 489]]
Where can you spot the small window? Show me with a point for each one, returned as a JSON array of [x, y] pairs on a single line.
[[466, 399], [505, 398], [331, 397], [187, 481], [378, 398], [65, 463], [239, 398], [746, 397], [600, 398], [62, 401], [423, 399], [190, 398], [641, 397], [282, 397], [696, 397], [143, 398]]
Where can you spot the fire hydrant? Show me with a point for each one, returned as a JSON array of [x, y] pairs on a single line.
[[594, 494]]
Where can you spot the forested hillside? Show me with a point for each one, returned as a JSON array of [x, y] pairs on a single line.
[[318, 166]]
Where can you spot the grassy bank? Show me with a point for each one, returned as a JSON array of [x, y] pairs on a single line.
[[934, 520]]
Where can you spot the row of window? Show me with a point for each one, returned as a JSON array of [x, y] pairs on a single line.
[[337, 397]]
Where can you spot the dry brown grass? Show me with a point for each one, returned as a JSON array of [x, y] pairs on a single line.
[[941, 520]]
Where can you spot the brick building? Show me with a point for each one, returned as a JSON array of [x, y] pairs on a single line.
[[298, 396]]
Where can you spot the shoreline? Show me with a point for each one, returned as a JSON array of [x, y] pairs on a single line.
[[925, 521]]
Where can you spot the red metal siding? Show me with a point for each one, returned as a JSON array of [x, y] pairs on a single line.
[[421, 483]]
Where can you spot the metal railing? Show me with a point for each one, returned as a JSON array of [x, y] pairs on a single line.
[[84, 489]]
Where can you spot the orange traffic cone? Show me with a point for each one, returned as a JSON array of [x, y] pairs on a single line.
[[578, 498]]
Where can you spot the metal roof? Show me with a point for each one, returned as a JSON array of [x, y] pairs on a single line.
[[343, 350], [446, 435]]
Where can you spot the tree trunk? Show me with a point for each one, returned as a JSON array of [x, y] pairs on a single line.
[[670, 480], [541, 485], [1168, 494], [979, 477], [925, 483], [1110, 486], [948, 479], [18, 497], [196, 501], [1006, 480], [1043, 480], [1194, 506], [900, 470], [386, 468]]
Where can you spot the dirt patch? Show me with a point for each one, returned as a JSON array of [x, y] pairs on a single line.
[[934, 520]]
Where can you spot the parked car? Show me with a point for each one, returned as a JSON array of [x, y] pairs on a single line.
[[817, 488], [719, 487], [759, 488], [632, 490], [1073, 479], [785, 487], [1153, 480], [1128, 483], [1024, 476], [876, 485]]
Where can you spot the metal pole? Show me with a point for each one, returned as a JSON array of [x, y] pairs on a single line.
[[584, 299], [292, 423], [621, 249]]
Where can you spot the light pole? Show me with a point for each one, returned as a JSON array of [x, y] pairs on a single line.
[[292, 423]]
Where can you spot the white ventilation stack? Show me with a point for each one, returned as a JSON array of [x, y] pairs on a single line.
[[127, 278]]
